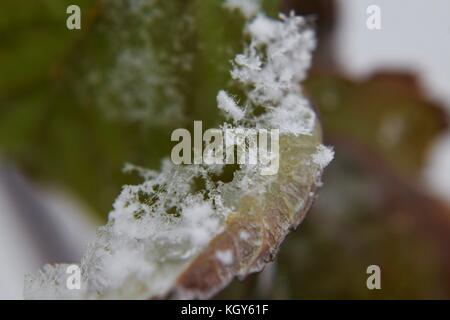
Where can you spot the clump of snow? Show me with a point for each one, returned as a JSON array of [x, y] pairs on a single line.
[[229, 106], [271, 69], [293, 116], [248, 8], [225, 256], [323, 156]]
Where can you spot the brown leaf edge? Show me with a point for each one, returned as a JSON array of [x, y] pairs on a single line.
[[206, 276]]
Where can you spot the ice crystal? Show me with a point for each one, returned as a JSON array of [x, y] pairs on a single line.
[[229, 106], [323, 156]]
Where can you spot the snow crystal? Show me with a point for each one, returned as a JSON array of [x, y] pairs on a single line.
[[262, 29], [227, 104], [272, 67], [323, 156]]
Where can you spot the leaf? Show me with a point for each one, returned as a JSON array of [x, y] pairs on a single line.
[[254, 232], [186, 231]]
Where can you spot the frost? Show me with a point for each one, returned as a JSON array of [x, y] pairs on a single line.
[[157, 228], [323, 156], [226, 256], [292, 116], [271, 68], [227, 104]]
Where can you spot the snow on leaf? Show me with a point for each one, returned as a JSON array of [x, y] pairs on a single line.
[[323, 156], [186, 231]]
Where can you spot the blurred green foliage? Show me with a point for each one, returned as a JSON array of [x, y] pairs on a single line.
[[53, 118]]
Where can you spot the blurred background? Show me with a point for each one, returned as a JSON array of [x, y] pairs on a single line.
[[75, 106]]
